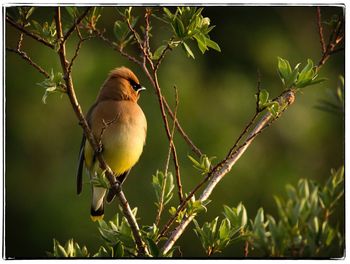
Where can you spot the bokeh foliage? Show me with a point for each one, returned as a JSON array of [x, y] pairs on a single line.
[[216, 99]]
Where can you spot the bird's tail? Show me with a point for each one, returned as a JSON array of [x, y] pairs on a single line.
[[97, 206]]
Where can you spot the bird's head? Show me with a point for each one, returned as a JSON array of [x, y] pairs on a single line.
[[121, 84]]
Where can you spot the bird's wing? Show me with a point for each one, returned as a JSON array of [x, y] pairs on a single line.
[[81, 154], [80, 166]]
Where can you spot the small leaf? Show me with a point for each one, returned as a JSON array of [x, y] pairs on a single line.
[[212, 44], [101, 253], [168, 13], [179, 28], [156, 55], [273, 108], [118, 250], [154, 250], [201, 42], [72, 11], [224, 229], [29, 12], [188, 50], [292, 77], [263, 97], [284, 68]]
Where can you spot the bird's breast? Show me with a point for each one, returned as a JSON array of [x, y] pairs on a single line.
[[121, 128]]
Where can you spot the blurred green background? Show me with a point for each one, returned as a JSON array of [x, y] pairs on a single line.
[[216, 93]]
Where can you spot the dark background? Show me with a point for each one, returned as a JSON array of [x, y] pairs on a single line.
[[216, 93]]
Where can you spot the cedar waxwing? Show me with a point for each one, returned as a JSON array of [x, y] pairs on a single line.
[[118, 122]]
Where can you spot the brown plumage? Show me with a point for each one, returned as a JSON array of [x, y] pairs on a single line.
[[120, 124]]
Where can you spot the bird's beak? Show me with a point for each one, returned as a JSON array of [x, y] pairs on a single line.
[[141, 89]]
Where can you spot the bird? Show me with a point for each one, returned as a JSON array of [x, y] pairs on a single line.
[[120, 126]]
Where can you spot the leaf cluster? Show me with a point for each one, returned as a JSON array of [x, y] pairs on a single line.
[[270, 104], [70, 250], [303, 228], [203, 164], [296, 78], [21, 14], [53, 84], [187, 23], [161, 181], [46, 30], [214, 238]]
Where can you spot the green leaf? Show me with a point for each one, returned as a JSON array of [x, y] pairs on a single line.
[[263, 97], [154, 250], [188, 50], [201, 42], [179, 28], [212, 44], [118, 250], [156, 55], [307, 69], [292, 77], [273, 108], [168, 13], [196, 164], [121, 30], [304, 190], [224, 229], [172, 210], [284, 68], [102, 253], [29, 12], [72, 11], [259, 218]]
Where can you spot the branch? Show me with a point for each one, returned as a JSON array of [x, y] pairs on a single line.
[[116, 47], [142, 250], [28, 33], [320, 30], [335, 39], [218, 174], [29, 60], [77, 22]]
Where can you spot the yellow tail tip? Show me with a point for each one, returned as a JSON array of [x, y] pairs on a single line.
[[95, 218]]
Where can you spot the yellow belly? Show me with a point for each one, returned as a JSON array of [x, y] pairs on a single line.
[[122, 141]]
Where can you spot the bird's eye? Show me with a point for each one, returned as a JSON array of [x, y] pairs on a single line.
[[135, 85]]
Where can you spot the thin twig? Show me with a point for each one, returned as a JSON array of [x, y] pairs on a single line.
[[162, 56], [168, 133], [173, 128], [19, 43], [104, 127], [246, 249], [28, 33], [81, 40], [29, 60], [320, 30], [116, 47], [161, 202], [147, 30], [141, 247], [76, 24], [142, 44]]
